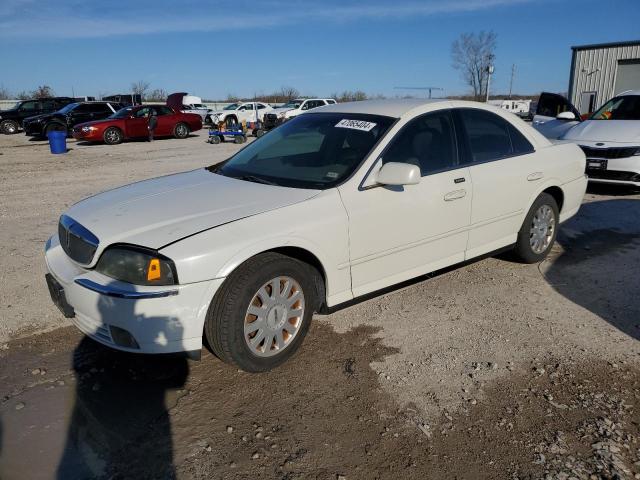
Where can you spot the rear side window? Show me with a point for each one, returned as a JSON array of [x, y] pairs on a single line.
[[490, 137], [427, 141], [164, 111]]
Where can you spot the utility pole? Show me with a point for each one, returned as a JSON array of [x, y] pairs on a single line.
[[513, 74], [489, 73]]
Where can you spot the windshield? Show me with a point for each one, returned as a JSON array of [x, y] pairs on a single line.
[[68, 108], [292, 104], [233, 106], [122, 113], [315, 151], [619, 108]]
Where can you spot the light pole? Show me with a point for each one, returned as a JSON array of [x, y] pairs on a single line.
[[489, 73]]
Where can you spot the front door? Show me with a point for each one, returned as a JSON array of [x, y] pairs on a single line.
[[397, 233], [136, 126]]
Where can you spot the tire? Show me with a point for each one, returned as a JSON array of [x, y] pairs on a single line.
[[239, 139], [181, 130], [9, 127], [538, 231], [215, 139], [112, 136], [244, 289], [260, 132]]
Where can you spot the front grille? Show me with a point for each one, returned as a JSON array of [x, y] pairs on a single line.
[[76, 241], [621, 152], [614, 175]]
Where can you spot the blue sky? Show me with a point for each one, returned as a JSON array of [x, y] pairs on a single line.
[[320, 47]]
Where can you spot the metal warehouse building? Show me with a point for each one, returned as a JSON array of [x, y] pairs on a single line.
[[599, 72]]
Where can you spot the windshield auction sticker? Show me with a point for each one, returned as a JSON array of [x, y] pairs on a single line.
[[356, 125]]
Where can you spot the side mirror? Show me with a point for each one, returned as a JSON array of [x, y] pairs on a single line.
[[566, 116], [394, 173]]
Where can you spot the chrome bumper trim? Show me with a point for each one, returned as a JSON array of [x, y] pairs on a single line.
[[119, 293]]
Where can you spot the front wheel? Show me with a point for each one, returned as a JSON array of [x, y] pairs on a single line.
[[261, 313], [9, 127], [538, 231], [181, 130], [113, 136]]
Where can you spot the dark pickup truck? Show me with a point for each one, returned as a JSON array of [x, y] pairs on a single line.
[[11, 120], [67, 117]]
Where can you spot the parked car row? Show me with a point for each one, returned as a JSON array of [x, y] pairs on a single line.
[[11, 120]]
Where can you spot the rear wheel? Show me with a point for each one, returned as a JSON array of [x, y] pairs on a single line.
[[215, 139], [539, 230], [181, 130], [260, 132], [113, 136], [239, 139], [9, 127], [261, 313]]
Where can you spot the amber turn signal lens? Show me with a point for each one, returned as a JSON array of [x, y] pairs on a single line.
[[153, 272]]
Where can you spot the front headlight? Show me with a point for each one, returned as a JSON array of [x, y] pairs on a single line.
[[138, 266], [88, 129]]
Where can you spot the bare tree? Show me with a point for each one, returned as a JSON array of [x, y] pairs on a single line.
[[231, 98], [349, 96], [288, 93], [140, 87], [4, 93], [157, 95], [472, 54], [43, 91]]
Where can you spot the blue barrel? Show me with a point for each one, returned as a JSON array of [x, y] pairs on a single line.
[[57, 141]]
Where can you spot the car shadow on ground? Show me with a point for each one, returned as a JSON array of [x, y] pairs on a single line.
[[121, 401], [598, 268]]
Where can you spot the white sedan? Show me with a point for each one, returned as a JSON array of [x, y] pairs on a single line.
[[330, 206]]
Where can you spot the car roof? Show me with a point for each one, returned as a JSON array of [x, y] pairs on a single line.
[[390, 108], [629, 92]]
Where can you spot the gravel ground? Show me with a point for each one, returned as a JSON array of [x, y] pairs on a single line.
[[492, 369]]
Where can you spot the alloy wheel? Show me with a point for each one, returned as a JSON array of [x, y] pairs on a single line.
[[274, 316], [543, 225]]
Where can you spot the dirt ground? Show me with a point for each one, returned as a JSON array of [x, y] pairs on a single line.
[[492, 369]]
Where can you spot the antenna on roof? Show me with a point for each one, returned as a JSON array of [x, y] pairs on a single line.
[[430, 89]]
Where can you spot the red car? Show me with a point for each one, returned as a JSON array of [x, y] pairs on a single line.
[[131, 122]]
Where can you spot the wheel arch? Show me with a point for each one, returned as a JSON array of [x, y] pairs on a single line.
[[557, 193], [297, 252]]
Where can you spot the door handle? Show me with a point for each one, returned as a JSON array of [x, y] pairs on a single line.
[[532, 177], [455, 195]]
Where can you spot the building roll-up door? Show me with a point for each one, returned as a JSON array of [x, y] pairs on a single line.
[[627, 76]]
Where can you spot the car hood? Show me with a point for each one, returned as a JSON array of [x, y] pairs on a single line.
[[39, 117], [622, 131], [97, 122], [154, 213]]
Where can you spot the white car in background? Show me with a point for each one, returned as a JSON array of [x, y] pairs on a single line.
[[239, 112], [300, 105], [332, 205], [610, 137]]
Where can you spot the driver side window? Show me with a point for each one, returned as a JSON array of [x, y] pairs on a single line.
[[143, 112], [428, 142]]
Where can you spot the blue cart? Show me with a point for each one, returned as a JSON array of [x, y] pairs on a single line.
[[236, 135]]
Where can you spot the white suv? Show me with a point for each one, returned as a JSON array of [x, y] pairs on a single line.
[[245, 111], [301, 105]]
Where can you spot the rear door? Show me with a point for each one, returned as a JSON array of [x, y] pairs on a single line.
[[166, 121], [504, 173], [82, 113]]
